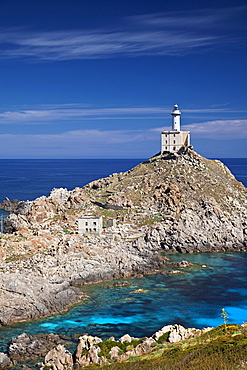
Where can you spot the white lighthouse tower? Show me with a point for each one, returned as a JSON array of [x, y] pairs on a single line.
[[175, 140], [176, 118]]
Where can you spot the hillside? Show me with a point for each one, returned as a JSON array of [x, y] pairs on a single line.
[[184, 203]]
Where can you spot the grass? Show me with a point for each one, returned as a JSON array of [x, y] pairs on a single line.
[[18, 257], [214, 350], [66, 231]]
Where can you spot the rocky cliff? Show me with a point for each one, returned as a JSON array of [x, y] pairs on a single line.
[[184, 203]]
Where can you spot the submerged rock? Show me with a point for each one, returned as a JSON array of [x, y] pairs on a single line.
[[118, 284]]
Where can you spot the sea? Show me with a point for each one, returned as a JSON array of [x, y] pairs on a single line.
[[194, 298]]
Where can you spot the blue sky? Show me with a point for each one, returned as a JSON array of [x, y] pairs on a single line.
[[98, 79]]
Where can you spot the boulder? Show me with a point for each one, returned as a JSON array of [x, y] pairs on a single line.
[[5, 361], [114, 353], [83, 358], [184, 264], [87, 341], [125, 338], [59, 358], [91, 357], [60, 195]]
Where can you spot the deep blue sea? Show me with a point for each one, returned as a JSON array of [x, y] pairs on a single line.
[[27, 179], [191, 299]]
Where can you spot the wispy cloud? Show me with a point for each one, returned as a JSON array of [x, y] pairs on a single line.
[[173, 33], [219, 129], [75, 112], [77, 143], [111, 142]]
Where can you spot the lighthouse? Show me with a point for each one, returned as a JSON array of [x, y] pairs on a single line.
[[175, 140], [176, 118]]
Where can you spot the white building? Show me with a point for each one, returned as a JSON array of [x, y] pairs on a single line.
[[90, 225], [172, 141]]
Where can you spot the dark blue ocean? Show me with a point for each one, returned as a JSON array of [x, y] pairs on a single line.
[[27, 179], [191, 299]]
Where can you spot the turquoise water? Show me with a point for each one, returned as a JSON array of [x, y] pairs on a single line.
[[192, 299]]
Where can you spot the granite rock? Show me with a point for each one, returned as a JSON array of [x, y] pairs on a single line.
[[59, 358], [5, 361]]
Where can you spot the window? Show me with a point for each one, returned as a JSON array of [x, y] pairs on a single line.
[[174, 148], [166, 141], [94, 222], [174, 141], [166, 147], [86, 223], [166, 135], [174, 135], [94, 230], [86, 229]]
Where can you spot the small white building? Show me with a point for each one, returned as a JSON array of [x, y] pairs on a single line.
[[172, 141], [90, 225]]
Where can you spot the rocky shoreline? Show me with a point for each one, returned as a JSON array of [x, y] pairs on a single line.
[[89, 350], [183, 203]]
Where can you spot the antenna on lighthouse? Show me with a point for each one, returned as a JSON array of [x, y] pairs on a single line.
[[176, 118]]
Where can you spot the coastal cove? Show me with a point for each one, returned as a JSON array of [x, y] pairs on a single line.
[[193, 299]]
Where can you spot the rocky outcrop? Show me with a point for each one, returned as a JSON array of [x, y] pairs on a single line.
[[87, 353], [26, 297], [32, 346], [89, 348], [10, 205], [139, 350]]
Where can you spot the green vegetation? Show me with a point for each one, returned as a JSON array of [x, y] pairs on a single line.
[[224, 316], [148, 220], [108, 344], [214, 350], [66, 231], [18, 257], [163, 337]]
